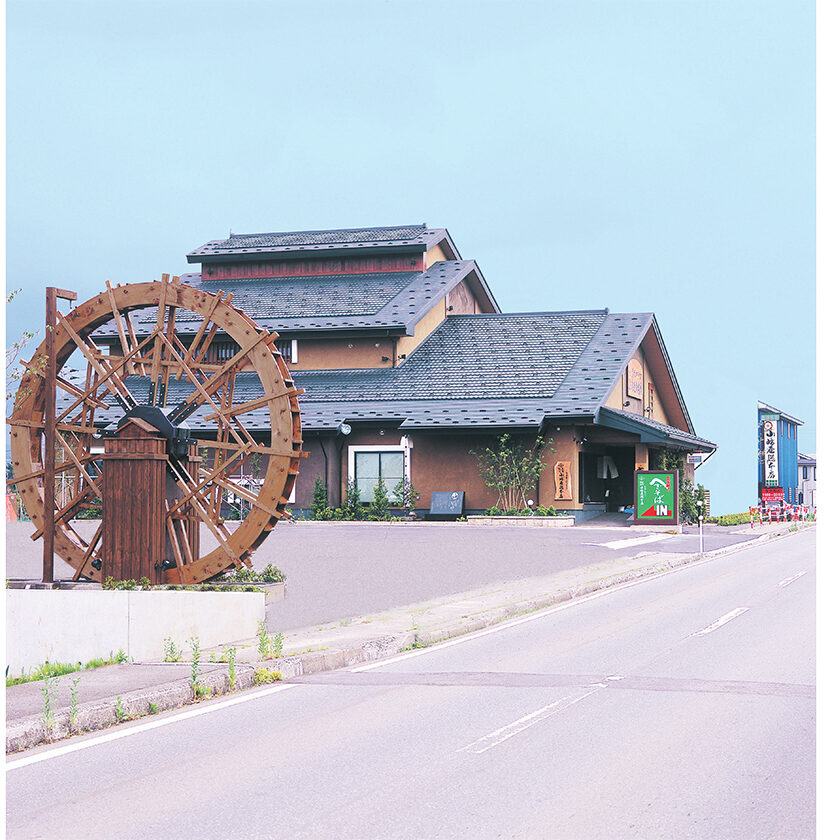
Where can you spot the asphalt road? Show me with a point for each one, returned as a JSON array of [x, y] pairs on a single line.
[[337, 571], [681, 706]]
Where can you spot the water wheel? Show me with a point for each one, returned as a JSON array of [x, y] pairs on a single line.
[[156, 379]]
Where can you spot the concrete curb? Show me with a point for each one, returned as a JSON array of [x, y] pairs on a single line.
[[30, 732]]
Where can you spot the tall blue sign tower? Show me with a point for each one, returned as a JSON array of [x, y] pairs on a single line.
[[777, 455]]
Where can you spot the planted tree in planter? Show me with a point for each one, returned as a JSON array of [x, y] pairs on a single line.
[[512, 467]]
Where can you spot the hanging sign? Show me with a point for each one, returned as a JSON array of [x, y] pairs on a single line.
[[770, 450], [656, 497], [562, 477], [635, 379]]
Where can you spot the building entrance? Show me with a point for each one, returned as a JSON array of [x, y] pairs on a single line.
[[607, 475]]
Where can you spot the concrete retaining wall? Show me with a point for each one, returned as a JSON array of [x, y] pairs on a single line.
[[68, 626]]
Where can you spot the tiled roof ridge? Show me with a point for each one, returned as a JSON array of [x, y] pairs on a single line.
[[528, 314], [421, 226]]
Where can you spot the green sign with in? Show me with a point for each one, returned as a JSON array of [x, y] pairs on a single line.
[[656, 497]]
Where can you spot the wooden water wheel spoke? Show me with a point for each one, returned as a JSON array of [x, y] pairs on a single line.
[[93, 544], [71, 506], [78, 464], [149, 454], [199, 387], [200, 332], [208, 477], [119, 325], [139, 362], [110, 378]]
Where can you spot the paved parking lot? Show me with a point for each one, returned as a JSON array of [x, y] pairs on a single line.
[[338, 570]]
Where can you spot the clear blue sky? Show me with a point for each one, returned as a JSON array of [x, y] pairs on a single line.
[[644, 156]]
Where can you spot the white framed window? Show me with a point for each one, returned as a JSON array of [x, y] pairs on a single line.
[[369, 464], [288, 349]]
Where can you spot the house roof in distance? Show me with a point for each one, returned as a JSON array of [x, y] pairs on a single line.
[[762, 406], [397, 238]]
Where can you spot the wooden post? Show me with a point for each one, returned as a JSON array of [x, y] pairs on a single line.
[[52, 295]]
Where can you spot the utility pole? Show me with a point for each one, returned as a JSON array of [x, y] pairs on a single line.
[[50, 432]]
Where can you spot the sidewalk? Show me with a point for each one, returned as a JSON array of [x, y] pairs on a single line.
[[116, 693]]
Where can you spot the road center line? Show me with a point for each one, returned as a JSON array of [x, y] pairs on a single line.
[[721, 621], [487, 742], [789, 580]]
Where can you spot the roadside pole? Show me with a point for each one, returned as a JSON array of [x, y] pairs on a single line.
[[700, 522], [49, 430]]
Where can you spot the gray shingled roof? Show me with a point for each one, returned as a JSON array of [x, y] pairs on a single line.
[[418, 237], [374, 301], [477, 373], [651, 430]]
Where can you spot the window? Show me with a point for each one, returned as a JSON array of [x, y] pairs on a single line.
[[805, 473], [221, 351], [370, 464], [287, 349]]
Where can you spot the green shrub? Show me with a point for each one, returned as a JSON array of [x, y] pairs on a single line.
[[731, 519], [319, 498], [352, 506], [379, 506]]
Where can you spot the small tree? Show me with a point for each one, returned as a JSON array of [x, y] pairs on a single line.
[[353, 507], [512, 468], [688, 496], [379, 506], [405, 494], [319, 499]]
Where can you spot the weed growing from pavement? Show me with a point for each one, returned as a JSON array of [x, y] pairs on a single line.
[[232, 668], [195, 655], [49, 690], [57, 669], [171, 652], [73, 701], [263, 646], [152, 708], [269, 647], [264, 675], [120, 711]]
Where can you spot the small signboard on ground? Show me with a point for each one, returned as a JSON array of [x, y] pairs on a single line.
[[447, 505], [656, 497]]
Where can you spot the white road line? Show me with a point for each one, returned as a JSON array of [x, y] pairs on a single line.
[[721, 621], [789, 580], [487, 742], [618, 544], [507, 625], [144, 727]]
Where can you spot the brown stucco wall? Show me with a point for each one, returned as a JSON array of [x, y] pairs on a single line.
[[620, 394], [423, 328], [334, 353]]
